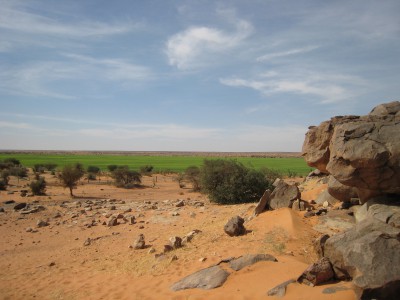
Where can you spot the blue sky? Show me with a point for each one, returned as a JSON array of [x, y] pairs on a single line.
[[238, 75]]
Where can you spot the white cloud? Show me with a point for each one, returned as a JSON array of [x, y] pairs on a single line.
[[194, 46], [15, 17], [327, 88], [270, 56]]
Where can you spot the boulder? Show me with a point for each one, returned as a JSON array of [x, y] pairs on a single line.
[[325, 197], [235, 227], [283, 195], [176, 242], [319, 245], [340, 191], [369, 254], [262, 204], [206, 279], [359, 151]]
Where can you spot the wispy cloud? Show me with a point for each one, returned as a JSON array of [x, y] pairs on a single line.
[[194, 46], [270, 56], [14, 16], [326, 88]]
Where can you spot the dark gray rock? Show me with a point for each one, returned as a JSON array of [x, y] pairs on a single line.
[[2, 209], [326, 197], [317, 273], [176, 242], [319, 245], [370, 255], [206, 279], [340, 191], [113, 221], [235, 227], [42, 223], [20, 206], [283, 195], [263, 203], [280, 290], [250, 259]]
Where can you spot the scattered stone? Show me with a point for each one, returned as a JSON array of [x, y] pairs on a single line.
[[42, 223], [202, 259], [334, 289], [151, 250], [263, 203], [235, 227], [112, 222], [280, 290], [250, 259], [52, 264], [309, 214], [87, 242], [298, 205], [28, 229], [139, 243], [2, 209], [113, 207], [20, 206], [206, 279], [9, 202], [192, 214], [317, 273], [175, 214], [180, 203], [167, 248], [176, 242], [173, 258]]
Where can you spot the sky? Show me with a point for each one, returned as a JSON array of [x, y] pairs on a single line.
[[198, 75]]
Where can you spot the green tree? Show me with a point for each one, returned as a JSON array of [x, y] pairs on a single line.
[[70, 176], [126, 178], [146, 170], [230, 182]]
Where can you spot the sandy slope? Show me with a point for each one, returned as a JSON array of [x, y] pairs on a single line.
[[53, 263]]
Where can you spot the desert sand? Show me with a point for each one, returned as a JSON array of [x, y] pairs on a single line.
[[53, 262]]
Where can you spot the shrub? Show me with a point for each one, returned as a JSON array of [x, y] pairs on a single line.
[[112, 168], [179, 178], [125, 177], [93, 169], [41, 168], [38, 187], [70, 176], [292, 173], [91, 176], [230, 182], [192, 174], [147, 169], [270, 174], [3, 185]]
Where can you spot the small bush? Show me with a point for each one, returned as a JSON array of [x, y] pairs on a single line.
[[126, 178], [3, 185], [93, 170], [230, 182], [112, 168], [146, 170], [70, 176], [38, 187], [292, 173], [270, 174]]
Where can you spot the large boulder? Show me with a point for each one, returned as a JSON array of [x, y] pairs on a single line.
[[369, 254], [235, 227], [360, 152], [283, 195], [340, 191]]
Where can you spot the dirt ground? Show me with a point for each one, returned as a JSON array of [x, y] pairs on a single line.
[[77, 256]]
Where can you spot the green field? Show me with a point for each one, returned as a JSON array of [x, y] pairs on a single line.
[[160, 163]]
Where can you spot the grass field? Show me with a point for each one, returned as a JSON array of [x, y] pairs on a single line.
[[161, 163]]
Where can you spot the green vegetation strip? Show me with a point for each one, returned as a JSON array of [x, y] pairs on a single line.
[[292, 165]]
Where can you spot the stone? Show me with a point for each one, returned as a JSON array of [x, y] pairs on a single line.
[[42, 223], [283, 195], [176, 242], [250, 259], [87, 242], [206, 279], [298, 205], [326, 197], [319, 245], [280, 290], [139, 242], [369, 254], [2, 209], [263, 203], [309, 214], [362, 152], [340, 191], [112, 222], [180, 203], [317, 273], [168, 248], [20, 206], [235, 227]]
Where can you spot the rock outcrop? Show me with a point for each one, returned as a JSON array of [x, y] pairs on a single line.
[[359, 151], [283, 195]]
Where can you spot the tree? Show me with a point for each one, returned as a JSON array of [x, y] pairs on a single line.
[[4, 178], [230, 182], [192, 174], [70, 176], [112, 168], [146, 170], [38, 187], [125, 177], [93, 169]]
